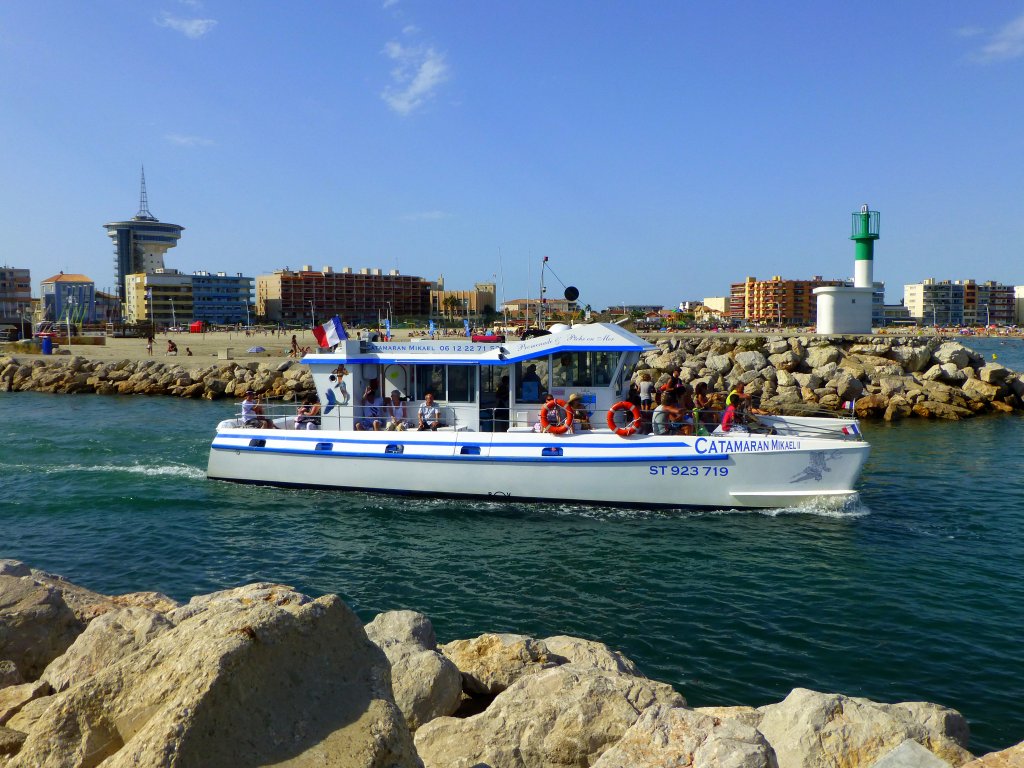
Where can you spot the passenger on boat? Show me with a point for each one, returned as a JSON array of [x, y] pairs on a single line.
[[674, 382], [686, 407], [373, 409], [531, 385], [556, 416], [646, 390], [729, 417], [252, 413], [398, 417], [702, 406], [744, 403], [428, 415], [308, 416], [501, 396], [667, 418], [580, 416]]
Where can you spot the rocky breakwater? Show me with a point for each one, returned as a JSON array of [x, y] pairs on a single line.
[[886, 377], [69, 375], [264, 675]]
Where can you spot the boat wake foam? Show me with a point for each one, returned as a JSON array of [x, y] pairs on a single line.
[[164, 470]]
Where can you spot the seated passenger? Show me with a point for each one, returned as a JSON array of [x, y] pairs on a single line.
[[252, 413], [372, 409], [429, 415], [397, 416], [308, 416], [729, 417], [580, 416]]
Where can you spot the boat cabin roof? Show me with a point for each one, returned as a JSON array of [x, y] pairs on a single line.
[[591, 337]]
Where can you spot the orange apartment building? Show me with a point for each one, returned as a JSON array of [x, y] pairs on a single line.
[[776, 301], [309, 296]]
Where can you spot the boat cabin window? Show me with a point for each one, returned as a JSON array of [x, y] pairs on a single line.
[[568, 369], [450, 383], [531, 380]]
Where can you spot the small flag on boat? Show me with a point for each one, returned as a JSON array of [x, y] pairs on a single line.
[[330, 333], [848, 405], [852, 429]]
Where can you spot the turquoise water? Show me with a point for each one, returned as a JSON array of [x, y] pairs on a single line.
[[914, 593]]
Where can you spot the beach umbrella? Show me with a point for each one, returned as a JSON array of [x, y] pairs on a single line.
[[257, 349]]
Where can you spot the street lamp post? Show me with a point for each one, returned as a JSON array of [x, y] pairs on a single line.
[[312, 313], [248, 324]]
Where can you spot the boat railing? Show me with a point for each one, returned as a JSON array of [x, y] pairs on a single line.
[[286, 415]]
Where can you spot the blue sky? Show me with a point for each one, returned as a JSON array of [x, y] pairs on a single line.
[[654, 151]]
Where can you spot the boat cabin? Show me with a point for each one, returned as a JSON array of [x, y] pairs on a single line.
[[479, 386]]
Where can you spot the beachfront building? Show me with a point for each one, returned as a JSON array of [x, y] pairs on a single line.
[[222, 299], [988, 303], [935, 302], [776, 301], [1018, 293], [471, 305], [896, 314], [539, 312], [717, 306], [162, 297], [68, 298], [15, 295], [307, 297], [140, 243]]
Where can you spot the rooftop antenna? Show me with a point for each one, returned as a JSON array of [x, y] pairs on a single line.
[[144, 213]]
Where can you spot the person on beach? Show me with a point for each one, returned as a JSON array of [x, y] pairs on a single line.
[[429, 415], [295, 347], [149, 345], [188, 352], [172, 348]]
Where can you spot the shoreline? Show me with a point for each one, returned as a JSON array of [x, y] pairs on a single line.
[[886, 376]]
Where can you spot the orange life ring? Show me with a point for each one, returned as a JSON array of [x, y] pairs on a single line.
[[556, 429], [632, 427]]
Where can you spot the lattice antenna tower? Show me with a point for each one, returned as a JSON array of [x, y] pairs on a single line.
[[144, 201]]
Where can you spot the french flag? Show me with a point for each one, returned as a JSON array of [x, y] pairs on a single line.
[[330, 333], [853, 429]]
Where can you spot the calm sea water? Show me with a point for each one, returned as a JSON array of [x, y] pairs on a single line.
[[913, 593]]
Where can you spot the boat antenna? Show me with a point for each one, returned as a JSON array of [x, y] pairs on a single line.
[[501, 274], [540, 304]]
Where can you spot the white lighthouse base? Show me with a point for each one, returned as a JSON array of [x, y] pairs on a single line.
[[844, 309]]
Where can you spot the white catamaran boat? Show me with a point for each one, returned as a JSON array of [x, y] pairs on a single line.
[[490, 396]]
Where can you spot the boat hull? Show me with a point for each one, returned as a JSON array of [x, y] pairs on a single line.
[[719, 472]]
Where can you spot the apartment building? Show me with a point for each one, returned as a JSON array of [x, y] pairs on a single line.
[[307, 296]]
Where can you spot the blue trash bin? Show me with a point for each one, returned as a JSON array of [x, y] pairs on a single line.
[[47, 344]]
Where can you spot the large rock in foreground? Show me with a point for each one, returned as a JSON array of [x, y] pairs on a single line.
[[566, 716], [256, 676], [828, 730], [673, 736], [425, 683]]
